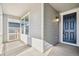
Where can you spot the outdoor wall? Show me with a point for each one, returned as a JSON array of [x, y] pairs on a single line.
[[1, 25], [35, 28], [50, 26], [1, 30]]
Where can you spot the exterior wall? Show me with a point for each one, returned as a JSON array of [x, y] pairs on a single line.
[[36, 26], [1, 30], [61, 26], [50, 26], [1, 25], [35, 19]]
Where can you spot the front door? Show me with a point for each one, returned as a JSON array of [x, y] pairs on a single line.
[[69, 28]]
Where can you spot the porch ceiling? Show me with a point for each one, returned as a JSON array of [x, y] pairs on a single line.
[[62, 7], [17, 9]]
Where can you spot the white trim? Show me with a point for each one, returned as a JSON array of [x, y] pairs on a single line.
[[29, 43], [42, 25], [61, 26], [37, 44], [47, 45], [7, 30], [69, 11], [13, 20], [25, 15]]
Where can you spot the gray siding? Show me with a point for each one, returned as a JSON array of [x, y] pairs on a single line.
[[50, 27]]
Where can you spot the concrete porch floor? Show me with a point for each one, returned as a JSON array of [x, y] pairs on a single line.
[[58, 50], [17, 48], [64, 50], [14, 48]]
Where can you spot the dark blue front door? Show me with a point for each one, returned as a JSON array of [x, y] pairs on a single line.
[[69, 28]]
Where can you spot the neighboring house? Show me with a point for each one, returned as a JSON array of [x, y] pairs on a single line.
[[40, 25]]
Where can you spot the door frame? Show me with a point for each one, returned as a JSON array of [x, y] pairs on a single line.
[[61, 26]]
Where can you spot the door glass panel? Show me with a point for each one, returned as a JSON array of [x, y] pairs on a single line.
[[22, 26], [26, 26], [27, 30], [12, 24]]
